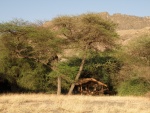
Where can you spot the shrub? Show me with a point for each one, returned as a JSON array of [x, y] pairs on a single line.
[[134, 86]]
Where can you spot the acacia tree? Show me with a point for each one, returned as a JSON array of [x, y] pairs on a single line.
[[24, 40], [85, 32]]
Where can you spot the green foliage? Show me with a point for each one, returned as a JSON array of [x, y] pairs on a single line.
[[67, 71], [26, 40], [101, 67], [28, 75], [141, 48], [23, 57], [35, 79], [134, 86], [104, 68]]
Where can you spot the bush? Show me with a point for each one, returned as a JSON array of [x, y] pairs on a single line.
[[134, 86], [33, 78]]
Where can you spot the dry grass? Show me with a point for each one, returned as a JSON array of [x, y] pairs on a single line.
[[44, 103]]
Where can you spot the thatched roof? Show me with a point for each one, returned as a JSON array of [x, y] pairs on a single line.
[[85, 80]]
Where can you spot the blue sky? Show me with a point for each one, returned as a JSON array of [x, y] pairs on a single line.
[[33, 10]]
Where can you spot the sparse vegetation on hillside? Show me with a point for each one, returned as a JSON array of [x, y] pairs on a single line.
[[134, 76]]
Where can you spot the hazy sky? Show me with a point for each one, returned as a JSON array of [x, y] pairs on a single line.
[[33, 10]]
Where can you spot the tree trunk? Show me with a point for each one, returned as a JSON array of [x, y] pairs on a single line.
[[78, 75], [54, 59], [59, 85]]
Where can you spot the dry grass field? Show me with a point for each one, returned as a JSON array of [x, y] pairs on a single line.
[[45, 103]]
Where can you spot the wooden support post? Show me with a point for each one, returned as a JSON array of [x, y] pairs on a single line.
[[81, 89]]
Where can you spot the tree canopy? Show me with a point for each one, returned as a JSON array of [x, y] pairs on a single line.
[[29, 52]]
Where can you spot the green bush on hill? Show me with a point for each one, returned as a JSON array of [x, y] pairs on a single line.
[[134, 86]]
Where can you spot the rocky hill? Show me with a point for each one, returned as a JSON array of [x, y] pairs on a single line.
[[126, 22], [127, 35], [129, 27]]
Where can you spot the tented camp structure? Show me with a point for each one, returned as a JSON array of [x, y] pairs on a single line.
[[90, 86]]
